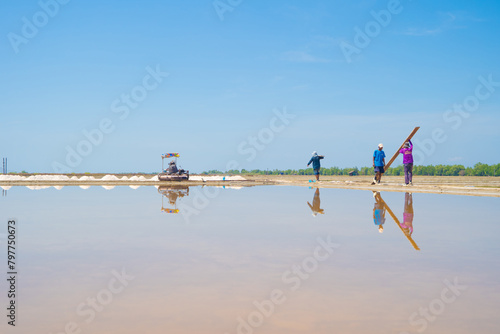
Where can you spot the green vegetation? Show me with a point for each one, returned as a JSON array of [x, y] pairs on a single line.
[[479, 169]]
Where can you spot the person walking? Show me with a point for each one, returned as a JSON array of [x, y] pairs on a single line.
[[378, 163], [316, 165], [407, 152]]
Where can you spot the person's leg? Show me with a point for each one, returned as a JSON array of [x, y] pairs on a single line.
[[410, 173], [317, 177], [407, 176]]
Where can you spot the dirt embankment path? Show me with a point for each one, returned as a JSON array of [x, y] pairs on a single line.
[[459, 185]]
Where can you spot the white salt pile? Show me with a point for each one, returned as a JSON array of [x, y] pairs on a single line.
[[47, 178], [109, 178], [124, 178], [12, 178], [87, 178], [154, 178]]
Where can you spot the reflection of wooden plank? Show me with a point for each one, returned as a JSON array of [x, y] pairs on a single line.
[[396, 220], [387, 165]]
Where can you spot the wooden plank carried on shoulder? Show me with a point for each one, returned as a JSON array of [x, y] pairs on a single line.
[[387, 165]]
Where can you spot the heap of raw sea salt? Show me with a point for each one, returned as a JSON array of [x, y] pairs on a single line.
[[73, 178]]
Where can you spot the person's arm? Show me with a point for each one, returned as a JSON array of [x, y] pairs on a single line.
[[411, 145], [373, 160], [310, 162], [321, 157]]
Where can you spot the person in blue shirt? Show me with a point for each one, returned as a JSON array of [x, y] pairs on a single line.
[[378, 163], [316, 165]]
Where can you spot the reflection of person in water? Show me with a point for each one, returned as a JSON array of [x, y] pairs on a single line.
[[407, 225], [379, 211], [315, 207]]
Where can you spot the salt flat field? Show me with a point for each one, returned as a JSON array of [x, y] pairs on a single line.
[[251, 260]]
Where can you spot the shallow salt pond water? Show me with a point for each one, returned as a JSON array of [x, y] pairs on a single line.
[[252, 260]]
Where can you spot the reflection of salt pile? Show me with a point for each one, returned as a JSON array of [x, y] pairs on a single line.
[[6, 187], [85, 187], [134, 187], [58, 187], [37, 187], [216, 178], [108, 187]]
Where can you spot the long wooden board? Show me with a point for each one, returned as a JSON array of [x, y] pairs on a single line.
[[387, 165]]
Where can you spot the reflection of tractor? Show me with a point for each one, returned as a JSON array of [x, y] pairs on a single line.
[[172, 173], [172, 193]]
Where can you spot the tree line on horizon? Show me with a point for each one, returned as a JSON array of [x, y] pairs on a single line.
[[479, 169]]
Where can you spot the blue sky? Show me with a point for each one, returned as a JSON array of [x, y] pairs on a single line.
[[230, 71]]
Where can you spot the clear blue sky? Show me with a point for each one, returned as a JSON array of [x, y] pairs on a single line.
[[66, 71]]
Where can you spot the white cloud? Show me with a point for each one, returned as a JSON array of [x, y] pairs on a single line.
[[421, 32], [302, 57], [448, 20]]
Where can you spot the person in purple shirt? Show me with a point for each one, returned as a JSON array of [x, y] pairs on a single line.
[[407, 152]]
